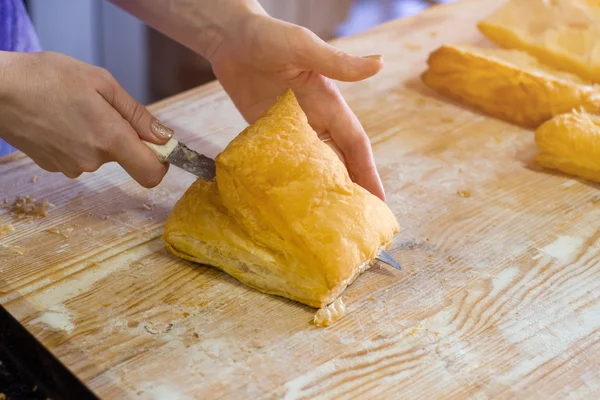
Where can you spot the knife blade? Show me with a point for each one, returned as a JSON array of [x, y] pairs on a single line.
[[178, 154], [181, 156]]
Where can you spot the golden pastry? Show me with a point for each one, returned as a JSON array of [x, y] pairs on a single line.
[[561, 33], [571, 143], [507, 84], [284, 216]]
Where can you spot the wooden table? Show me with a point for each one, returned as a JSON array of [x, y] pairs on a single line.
[[499, 296]]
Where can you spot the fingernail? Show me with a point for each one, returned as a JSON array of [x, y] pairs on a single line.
[[374, 57], [160, 130]]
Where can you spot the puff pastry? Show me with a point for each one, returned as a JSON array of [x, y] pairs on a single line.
[[561, 33], [283, 216], [570, 143], [507, 84]]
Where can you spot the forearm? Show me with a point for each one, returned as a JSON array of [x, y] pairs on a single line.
[[201, 25]]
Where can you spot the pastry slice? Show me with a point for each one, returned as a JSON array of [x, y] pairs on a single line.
[[507, 84], [570, 143], [562, 33], [283, 216]]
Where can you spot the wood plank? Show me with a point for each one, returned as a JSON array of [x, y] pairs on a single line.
[[499, 296]]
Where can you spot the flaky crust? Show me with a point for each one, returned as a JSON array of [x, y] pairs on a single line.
[[283, 217], [570, 143], [507, 84], [561, 33]]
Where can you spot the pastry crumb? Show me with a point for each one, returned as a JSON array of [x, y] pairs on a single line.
[[433, 33], [62, 232], [6, 229], [464, 193], [148, 206], [330, 314], [27, 206], [35, 179], [447, 119]]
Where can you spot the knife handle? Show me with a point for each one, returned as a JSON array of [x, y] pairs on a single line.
[[162, 151]]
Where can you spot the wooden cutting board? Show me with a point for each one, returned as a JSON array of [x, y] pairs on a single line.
[[499, 296]]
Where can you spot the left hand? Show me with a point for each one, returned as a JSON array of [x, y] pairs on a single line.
[[261, 56]]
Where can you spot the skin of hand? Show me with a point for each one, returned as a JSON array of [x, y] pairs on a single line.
[[72, 117], [265, 56], [256, 57]]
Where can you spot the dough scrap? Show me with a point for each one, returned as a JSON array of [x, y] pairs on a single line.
[[330, 314]]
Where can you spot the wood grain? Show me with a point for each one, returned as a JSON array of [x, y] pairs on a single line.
[[499, 296]]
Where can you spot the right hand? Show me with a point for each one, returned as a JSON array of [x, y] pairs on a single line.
[[73, 117]]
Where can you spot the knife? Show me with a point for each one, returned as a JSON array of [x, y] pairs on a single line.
[[178, 154]]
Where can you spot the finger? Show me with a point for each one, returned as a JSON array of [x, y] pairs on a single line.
[[327, 139], [138, 160], [124, 146], [317, 55], [141, 120], [323, 102], [72, 174]]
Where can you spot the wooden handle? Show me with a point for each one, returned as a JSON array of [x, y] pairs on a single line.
[[162, 151]]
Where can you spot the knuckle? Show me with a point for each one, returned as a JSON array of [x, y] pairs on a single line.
[[72, 174], [104, 78], [106, 144], [137, 112], [89, 165], [152, 180], [301, 31]]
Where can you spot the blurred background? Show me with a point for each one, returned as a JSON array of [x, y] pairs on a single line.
[[151, 66]]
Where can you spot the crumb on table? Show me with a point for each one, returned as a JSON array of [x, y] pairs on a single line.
[[464, 193], [5, 229], [28, 206], [35, 179], [62, 232]]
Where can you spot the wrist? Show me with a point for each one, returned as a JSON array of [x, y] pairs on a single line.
[[229, 27], [8, 65]]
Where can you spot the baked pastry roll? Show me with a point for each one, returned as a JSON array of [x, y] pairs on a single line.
[[283, 216], [507, 84], [570, 143], [561, 33]]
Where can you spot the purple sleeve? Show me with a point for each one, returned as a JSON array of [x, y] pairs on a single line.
[[16, 31], [16, 34]]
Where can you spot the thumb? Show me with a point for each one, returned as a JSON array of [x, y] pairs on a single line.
[[321, 57], [141, 120]]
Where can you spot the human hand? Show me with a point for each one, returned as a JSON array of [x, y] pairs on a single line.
[[72, 117], [261, 56]]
